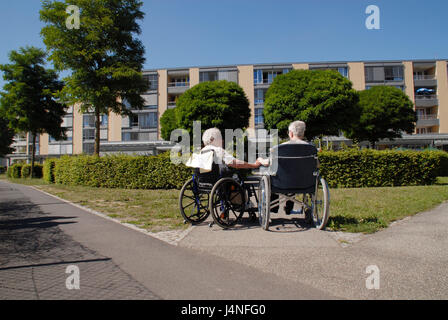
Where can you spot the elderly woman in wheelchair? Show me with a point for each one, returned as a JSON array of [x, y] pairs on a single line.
[[292, 175]]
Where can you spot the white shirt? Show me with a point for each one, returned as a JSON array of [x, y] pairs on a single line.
[[221, 155]]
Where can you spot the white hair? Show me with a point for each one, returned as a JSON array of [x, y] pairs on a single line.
[[211, 135], [297, 128]]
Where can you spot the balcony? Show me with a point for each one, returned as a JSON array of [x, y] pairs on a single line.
[[425, 80], [171, 105], [426, 100], [178, 87], [427, 120]]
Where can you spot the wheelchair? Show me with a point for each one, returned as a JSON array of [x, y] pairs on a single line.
[[227, 195], [223, 192], [296, 180]]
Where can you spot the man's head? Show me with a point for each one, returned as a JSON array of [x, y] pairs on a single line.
[[296, 130], [212, 137]]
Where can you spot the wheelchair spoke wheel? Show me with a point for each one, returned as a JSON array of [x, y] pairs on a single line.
[[227, 202], [321, 204], [264, 203], [193, 204]]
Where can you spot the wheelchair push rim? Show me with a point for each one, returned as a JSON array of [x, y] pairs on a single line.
[[264, 203], [227, 202], [321, 204], [193, 204]]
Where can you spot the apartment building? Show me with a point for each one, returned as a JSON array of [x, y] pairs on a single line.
[[424, 81]]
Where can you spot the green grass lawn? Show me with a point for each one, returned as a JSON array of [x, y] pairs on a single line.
[[352, 210]]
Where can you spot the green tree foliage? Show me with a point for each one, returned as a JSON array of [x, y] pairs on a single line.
[[6, 137], [221, 104], [385, 113], [28, 101], [104, 56], [168, 123], [324, 99]]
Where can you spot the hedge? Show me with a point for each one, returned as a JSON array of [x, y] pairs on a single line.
[[371, 168], [121, 171], [15, 171], [48, 170], [26, 171], [348, 168], [2, 170]]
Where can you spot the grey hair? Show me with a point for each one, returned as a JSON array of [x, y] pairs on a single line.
[[297, 128], [211, 135]]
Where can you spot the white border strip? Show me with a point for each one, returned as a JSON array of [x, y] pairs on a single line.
[[170, 237]]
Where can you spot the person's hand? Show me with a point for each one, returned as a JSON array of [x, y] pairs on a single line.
[[264, 162], [258, 164]]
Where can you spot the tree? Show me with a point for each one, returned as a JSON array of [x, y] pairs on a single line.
[[221, 104], [323, 99], [385, 112], [168, 123], [6, 137], [104, 57], [29, 102]]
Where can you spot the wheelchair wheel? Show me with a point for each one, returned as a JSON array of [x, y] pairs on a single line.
[[321, 204], [227, 202], [264, 202], [193, 204]]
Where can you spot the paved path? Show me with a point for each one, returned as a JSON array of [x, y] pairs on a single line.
[[40, 236], [412, 255]]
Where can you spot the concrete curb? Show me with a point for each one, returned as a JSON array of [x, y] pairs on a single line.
[[171, 237]]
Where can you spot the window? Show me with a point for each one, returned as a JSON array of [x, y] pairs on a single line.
[[393, 73], [88, 121], [208, 76], [259, 96], [147, 120], [153, 81], [88, 134], [382, 74], [259, 120], [104, 120], [267, 76], [134, 120]]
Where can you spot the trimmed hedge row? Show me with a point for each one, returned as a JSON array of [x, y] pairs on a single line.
[[26, 171], [348, 168], [15, 171], [119, 171], [371, 168]]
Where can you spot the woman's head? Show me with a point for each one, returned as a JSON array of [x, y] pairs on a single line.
[[212, 137]]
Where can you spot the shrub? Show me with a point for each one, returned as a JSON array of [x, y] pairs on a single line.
[[121, 171], [2, 170], [26, 171], [15, 171], [48, 170], [372, 168]]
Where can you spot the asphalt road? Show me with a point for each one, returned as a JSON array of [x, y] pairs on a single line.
[[41, 236]]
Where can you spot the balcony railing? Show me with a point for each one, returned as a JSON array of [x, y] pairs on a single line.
[[179, 84], [425, 96], [427, 116], [424, 77]]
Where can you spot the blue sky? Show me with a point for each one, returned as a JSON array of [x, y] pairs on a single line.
[[187, 33]]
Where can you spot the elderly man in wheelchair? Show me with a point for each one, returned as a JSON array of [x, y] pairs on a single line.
[[291, 175]]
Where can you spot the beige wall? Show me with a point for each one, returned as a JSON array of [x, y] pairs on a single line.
[[194, 77], [409, 79], [246, 81], [442, 92], [163, 94], [301, 66], [77, 129], [43, 144], [356, 74], [114, 129]]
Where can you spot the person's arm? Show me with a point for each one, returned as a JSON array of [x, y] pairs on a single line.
[[238, 164]]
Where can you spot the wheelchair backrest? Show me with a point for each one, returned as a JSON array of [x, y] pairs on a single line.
[[208, 179], [296, 170]]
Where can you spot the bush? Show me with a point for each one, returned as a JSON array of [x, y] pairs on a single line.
[[371, 168], [2, 170], [48, 170], [26, 171], [121, 171], [15, 171]]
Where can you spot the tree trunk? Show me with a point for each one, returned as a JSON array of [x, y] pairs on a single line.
[[97, 132], [33, 155]]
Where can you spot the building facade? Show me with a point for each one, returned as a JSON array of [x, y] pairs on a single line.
[[424, 81]]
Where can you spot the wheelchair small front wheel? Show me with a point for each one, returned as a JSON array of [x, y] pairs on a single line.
[[193, 204], [321, 204], [227, 202]]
